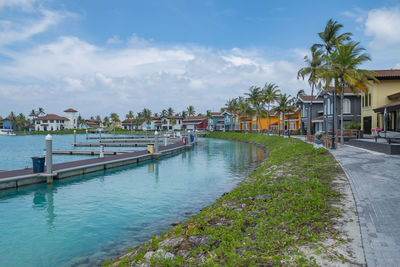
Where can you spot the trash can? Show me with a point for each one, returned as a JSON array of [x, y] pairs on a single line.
[[38, 164], [150, 149]]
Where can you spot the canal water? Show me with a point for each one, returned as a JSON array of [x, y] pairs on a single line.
[[16, 151], [85, 220]]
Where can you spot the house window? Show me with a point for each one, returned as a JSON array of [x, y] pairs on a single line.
[[346, 106], [254, 117], [366, 101], [292, 126], [369, 99], [51, 121], [44, 121]]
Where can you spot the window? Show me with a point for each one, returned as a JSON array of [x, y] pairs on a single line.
[[369, 99], [362, 101], [292, 126], [366, 101], [254, 117], [346, 106], [51, 121]]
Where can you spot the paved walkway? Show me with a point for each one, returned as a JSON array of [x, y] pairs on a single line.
[[375, 182]]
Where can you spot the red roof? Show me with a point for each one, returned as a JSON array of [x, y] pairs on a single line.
[[155, 118], [195, 118], [70, 110], [216, 113], [387, 74], [174, 117], [127, 121], [308, 98], [51, 117]]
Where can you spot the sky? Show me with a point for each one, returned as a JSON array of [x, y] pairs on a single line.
[[100, 56]]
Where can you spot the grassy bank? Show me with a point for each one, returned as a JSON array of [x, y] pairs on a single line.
[[285, 204]]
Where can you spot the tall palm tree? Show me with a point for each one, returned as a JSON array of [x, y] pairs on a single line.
[[114, 118], [106, 121], [146, 114], [312, 70], [164, 113], [331, 38], [245, 108], [40, 111], [170, 111], [270, 94], [255, 99], [184, 114], [344, 63], [285, 105], [191, 111]]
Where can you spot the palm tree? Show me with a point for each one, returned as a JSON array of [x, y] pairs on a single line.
[[114, 118], [40, 112], [255, 99], [164, 113], [170, 111], [184, 114], [270, 94], [191, 111], [146, 115], [344, 62], [312, 70], [106, 121], [130, 116], [285, 105], [98, 118], [330, 40], [245, 108]]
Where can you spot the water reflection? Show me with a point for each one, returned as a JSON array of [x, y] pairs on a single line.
[[153, 168], [44, 199]]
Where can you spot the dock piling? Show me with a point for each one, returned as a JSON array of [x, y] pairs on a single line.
[[74, 137], [87, 135], [156, 142], [49, 158], [101, 151]]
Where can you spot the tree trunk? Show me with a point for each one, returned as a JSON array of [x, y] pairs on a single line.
[[310, 111], [341, 116], [268, 119], [279, 124]]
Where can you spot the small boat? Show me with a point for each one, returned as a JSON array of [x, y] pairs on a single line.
[[8, 132]]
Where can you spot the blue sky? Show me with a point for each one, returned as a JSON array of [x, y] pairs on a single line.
[[113, 56]]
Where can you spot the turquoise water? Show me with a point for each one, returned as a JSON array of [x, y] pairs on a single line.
[[84, 220], [16, 151]]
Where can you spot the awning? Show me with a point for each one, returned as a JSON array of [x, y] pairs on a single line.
[[389, 107]]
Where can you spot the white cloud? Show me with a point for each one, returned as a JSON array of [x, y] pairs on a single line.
[[22, 29], [72, 72], [114, 40], [383, 25], [23, 4]]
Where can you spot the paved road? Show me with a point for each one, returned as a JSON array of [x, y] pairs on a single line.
[[375, 182]]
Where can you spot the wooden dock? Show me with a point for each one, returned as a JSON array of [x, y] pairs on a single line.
[[17, 178], [91, 152]]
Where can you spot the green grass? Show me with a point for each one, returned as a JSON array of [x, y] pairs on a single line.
[[284, 204]]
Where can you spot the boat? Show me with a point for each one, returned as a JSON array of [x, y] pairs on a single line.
[[8, 132]]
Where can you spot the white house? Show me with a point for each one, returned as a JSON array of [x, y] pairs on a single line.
[[50, 122], [53, 122], [172, 123], [72, 122]]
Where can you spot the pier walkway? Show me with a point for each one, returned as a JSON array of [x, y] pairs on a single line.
[[16, 178]]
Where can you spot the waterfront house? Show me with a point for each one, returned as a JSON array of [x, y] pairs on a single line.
[[51, 122], [93, 124], [276, 121], [171, 123], [216, 122], [351, 108], [195, 123], [155, 124], [381, 96], [72, 122], [229, 122], [8, 124], [304, 102]]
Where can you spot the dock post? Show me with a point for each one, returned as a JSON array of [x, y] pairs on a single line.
[[87, 136], [49, 158], [101, 151], [156, 142], [100, 134], [189, 142], [74, 137], [165, 140]]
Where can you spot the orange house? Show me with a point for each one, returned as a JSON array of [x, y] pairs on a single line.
[[250, 123]]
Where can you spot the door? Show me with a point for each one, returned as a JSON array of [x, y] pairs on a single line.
[[367, 124]]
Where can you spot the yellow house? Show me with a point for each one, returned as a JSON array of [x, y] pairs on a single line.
[[381, 96], [251, 123]]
